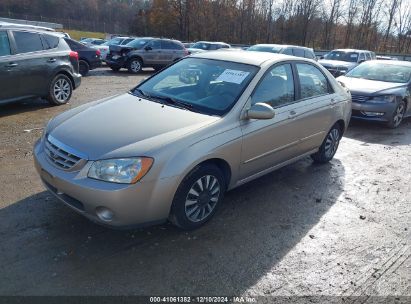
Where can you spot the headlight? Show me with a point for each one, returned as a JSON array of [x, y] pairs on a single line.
[[122, 171], [382, 99]]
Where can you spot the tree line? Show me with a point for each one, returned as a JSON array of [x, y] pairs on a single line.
[[379, 25]]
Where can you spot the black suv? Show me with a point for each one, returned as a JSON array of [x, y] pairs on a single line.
[[36, 63]]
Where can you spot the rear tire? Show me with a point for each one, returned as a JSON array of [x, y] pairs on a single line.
[[84, 67], [397, 116], [198, 197], [60, 90], [134, 65], [329, 146]]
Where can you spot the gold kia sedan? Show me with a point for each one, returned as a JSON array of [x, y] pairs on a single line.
[[171, 147]]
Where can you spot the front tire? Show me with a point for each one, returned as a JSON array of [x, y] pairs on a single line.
[[84, 67], [135, 65], [329, 146], [60, 90], [198, 197], [397, 116]]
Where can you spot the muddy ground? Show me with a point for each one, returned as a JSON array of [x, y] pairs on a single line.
[[339, 229]]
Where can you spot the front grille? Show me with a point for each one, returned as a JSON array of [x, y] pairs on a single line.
[[359, 98], [59, 157]]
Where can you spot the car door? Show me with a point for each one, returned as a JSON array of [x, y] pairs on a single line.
[[32, 61], [168, 51], [267, 143], [9, 70], [152, 53]]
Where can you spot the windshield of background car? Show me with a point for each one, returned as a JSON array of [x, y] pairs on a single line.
[[202, 85], [260, 48], [201, 45], [342, 56], [382, 72], [138, 43], [114, 41]]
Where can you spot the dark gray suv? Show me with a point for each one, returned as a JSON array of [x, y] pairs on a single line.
[[145, 52], [36, 63]]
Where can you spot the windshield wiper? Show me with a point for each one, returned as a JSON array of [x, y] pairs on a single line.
[[173, 101]]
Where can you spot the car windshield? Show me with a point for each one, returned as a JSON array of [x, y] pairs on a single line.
[[382, 72], [342, 56], [114, 41], [201, 45], [265, 48], [138, 43], [202, 85]]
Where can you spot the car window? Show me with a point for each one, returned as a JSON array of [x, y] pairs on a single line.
[[288, 51], [27, 42], [312, 81], [276, 88], [155, 44], [309, 54], [298, 52], [51, 41], [97, 42], [125, 41], [368, 56], [169, 45], [224, 46], [362, 57], [214, 47], [4, 44]]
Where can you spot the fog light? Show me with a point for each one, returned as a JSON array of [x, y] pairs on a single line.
[[372, 113], [104, 214]]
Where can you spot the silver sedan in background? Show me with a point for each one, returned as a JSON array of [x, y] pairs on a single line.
[[172, 146]]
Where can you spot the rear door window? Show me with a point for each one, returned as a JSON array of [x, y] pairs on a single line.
[[27, 42], [51, 41], [155, 44], [169, 45], [312, 81], [298, 52], [4, 44]]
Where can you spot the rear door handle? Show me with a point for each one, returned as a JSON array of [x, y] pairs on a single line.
[[51, 60], [292, 114], [12, 65]]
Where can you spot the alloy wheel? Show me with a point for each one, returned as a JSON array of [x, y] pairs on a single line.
[[398, 115], [61, 90], [331, 143], [202, 198]]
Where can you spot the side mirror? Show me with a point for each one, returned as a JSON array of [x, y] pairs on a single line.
[[148, 48], [260, 111]]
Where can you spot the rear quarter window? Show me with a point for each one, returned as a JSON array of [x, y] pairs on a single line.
[[51, 41]]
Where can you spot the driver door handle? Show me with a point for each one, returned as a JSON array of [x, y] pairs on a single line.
[[51, 60], [292, 114]]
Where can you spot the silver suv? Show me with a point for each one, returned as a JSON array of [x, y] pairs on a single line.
[[145, 52]]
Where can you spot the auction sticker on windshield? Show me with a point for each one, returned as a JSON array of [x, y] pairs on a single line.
[[233, 76]]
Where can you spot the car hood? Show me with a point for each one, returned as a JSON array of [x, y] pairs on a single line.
[[125, 126], [337, 63], [366, 86]]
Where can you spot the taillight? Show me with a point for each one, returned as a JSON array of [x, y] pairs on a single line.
[[73, 55], [98, 53]]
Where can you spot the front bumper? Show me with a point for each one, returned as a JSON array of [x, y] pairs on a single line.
[[374, 112], [140, 204], [115, 63]]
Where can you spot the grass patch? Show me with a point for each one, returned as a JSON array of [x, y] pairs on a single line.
[[78, 34]]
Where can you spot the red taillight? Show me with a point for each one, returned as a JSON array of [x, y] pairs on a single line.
[[98, 53], [73, 55]]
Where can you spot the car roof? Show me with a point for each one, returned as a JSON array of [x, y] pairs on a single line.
[[211, 42], [251, 57], [283, 45], [350, 50], [9, 25]]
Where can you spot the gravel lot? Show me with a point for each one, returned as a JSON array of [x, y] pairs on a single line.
[[339, 229]]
